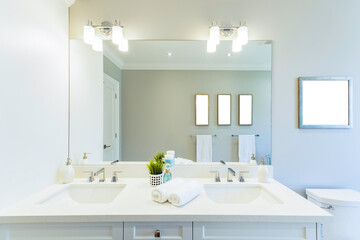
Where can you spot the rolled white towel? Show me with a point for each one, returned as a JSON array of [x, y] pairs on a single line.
[[185, 193], [161, 193]]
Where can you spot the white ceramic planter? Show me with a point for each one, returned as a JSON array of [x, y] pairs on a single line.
[[156, 180]]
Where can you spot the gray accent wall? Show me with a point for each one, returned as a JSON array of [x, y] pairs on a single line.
[[158, 112]]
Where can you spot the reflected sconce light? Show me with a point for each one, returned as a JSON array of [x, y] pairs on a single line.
[[94, 35], [227, 33]]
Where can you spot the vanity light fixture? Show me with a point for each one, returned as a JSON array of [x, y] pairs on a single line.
[[169, 54], [227, 33], [106, 29]]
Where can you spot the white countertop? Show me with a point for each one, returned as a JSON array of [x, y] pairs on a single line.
[[134, 204]]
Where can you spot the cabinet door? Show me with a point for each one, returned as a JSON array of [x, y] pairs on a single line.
[[158, 230], [254, 231], [62, 231]]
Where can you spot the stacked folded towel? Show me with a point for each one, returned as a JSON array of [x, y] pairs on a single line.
[[161, 193], [185, 193], [176, 192]]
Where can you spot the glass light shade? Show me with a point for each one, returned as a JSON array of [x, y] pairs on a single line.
[[211, 46], [97, 45], [215, 35], [89, 34], [117, 34], [236, 45], [124, 45], [243, 35]]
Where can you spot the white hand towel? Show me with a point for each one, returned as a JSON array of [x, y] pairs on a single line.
[[161, 193], [185, 193], [204, 148], [246, 147]]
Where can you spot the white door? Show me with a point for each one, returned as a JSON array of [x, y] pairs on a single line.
[[111, 119]]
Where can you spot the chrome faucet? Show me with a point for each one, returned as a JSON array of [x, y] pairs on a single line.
[[102, 170], [230, 174]]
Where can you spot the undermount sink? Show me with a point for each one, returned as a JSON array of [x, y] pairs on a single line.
[[233, 193], [91, 193]]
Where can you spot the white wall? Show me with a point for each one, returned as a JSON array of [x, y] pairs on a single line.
[[310, 38], [33, 95], [86, 67]]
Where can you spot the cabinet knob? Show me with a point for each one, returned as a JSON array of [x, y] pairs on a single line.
[[157, 234]]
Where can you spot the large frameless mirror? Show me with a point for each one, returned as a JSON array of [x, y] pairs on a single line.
[[128, 105], [325, 102]]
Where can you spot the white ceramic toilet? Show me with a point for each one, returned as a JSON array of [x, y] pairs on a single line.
[[344, 205]]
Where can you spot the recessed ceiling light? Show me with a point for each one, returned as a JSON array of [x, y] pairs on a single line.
[[169, 54], [229, 54]]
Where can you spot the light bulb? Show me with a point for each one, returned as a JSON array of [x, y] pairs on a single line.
[[243, 35], [124, 45], [215, 35], [117, 34], [97, 45], [211, 46], [236, 45], [89, 34]]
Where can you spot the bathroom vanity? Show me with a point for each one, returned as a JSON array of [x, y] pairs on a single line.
[[124, 210]]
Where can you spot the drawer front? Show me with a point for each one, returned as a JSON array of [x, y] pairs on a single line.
[[158, 230], [60, 231], [253, 231]]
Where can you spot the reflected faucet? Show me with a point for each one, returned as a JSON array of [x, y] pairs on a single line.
[[102, 170], [230, 174]]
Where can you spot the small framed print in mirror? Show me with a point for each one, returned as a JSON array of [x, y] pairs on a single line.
[[201, 110], [325, 102], [224, 109], [245, 109]]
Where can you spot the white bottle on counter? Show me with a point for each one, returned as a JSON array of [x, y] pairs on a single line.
[[67, 172], [262, 173]]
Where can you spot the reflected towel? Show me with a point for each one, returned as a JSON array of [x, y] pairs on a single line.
[[161, 193], [246, 147], [204, 148], [185, 193], [183, 161]]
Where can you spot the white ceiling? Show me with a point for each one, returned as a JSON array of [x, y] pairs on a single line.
[[190, 55]]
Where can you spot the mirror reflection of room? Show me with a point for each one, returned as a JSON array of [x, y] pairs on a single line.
[[145, 99]]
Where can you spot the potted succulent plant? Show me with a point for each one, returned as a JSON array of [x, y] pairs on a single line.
[[156, 167]]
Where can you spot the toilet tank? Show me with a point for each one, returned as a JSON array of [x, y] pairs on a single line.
[[344, 205]]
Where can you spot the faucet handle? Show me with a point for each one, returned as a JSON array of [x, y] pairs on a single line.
[[241, 177], [217, 175], [115, 178], [91, 177]]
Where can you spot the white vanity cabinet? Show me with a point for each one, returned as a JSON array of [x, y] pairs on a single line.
[[255, 231], [62, 231], [158, 230]]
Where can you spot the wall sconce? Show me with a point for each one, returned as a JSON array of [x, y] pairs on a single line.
[[106, 29], [216, 31]]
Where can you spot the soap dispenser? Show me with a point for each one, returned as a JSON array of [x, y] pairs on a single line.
[[84, 160], [167, 174], [67, 172], [262, 173], [253, 161]]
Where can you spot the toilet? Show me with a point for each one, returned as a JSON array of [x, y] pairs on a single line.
[[344, 205]]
